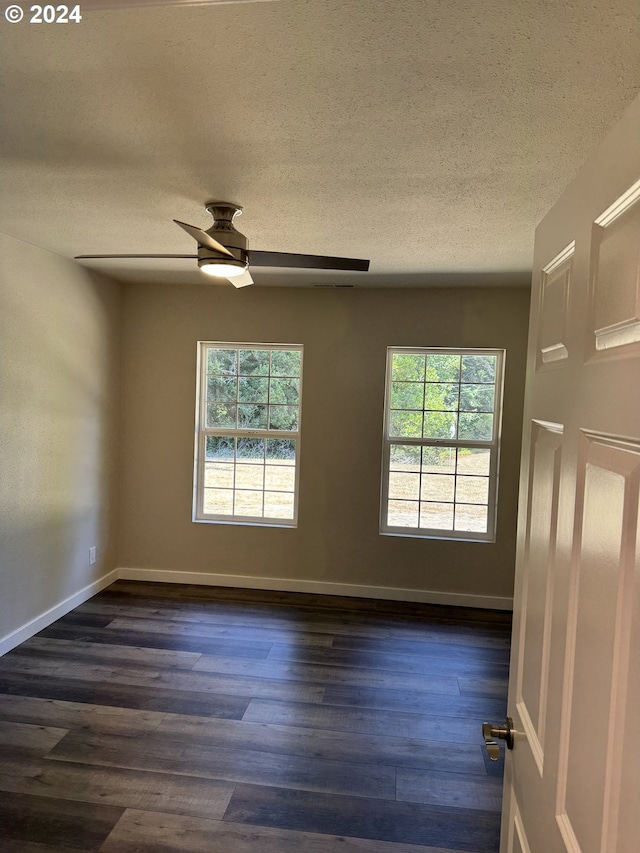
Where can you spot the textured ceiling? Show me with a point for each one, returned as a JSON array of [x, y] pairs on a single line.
[[428, 135]]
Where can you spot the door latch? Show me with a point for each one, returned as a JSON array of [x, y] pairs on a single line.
[[505, 733]]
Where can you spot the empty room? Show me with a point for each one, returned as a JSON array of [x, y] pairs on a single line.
[[319, 426]]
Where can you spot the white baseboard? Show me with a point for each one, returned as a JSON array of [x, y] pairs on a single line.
[[424, 596], [10, 641]]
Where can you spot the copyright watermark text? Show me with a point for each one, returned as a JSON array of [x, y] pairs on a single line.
[[48, 14]]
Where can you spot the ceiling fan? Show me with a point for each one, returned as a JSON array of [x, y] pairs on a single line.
[[224, 252]]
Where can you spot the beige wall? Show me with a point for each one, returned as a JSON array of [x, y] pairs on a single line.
[[59, 351], [345, 334]]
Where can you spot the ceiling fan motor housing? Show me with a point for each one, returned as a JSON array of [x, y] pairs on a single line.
[[224, 231]]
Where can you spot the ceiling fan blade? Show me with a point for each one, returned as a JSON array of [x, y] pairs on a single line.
[[83, 257], [314, 262], [243, 280], [203, 238]]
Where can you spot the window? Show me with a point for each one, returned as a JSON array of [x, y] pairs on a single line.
[[441, 442], [248, 433]]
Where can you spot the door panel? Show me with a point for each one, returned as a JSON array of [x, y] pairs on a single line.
[[615, 302], [554, 307], [597, 656], [533, 667]]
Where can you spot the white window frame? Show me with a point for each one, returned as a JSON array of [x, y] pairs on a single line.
[[493, 444], [202, 431]]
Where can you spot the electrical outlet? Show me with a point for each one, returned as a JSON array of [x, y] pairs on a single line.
[[92, 555]]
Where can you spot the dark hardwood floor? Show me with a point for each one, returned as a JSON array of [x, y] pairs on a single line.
[[158, 718]]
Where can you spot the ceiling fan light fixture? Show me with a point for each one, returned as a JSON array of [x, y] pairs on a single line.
[[223, 268]]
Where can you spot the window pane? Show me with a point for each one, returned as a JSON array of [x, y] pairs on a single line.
[[280, 478], [283, 417], [219, 447], [404, 486], [443, 368], [284, 391], [253, 389], [473, 490], [218, 475], [222, 388], [249, 476], [406, 424], [475, 427], [471, 518], [477, 398], [407, 395], [404, 457], [278, 505], [439, 425], [222, 360], [285, 362], [221, 415], [218, 501], [441, 397], [407, 368], [479, 368], [437, 487], [250, 450], [437, 516], [474, 461], [252, 417], [439, 460], [248, 503], [402, 513], [281, 450], [254, 362]]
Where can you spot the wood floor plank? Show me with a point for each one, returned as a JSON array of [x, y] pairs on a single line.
[[35, 738], [108, 692], [231, 764], [449, 789], [327, 674], [11, 845], [387, 820], [262, 637], [47, 648], [175, 640], [113, 786], [395, 751], [445, 705], [320, 628], [58, 823], [22, 747], [192, 681], [88, 620], [451, 650], [145, 832], [372, 721], [15, 661], [75, 715], [407, 664], [487, 686]]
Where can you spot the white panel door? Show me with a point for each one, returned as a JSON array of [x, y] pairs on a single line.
[[572, 780]]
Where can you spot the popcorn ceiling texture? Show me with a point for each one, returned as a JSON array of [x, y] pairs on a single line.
[[429, 136]]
